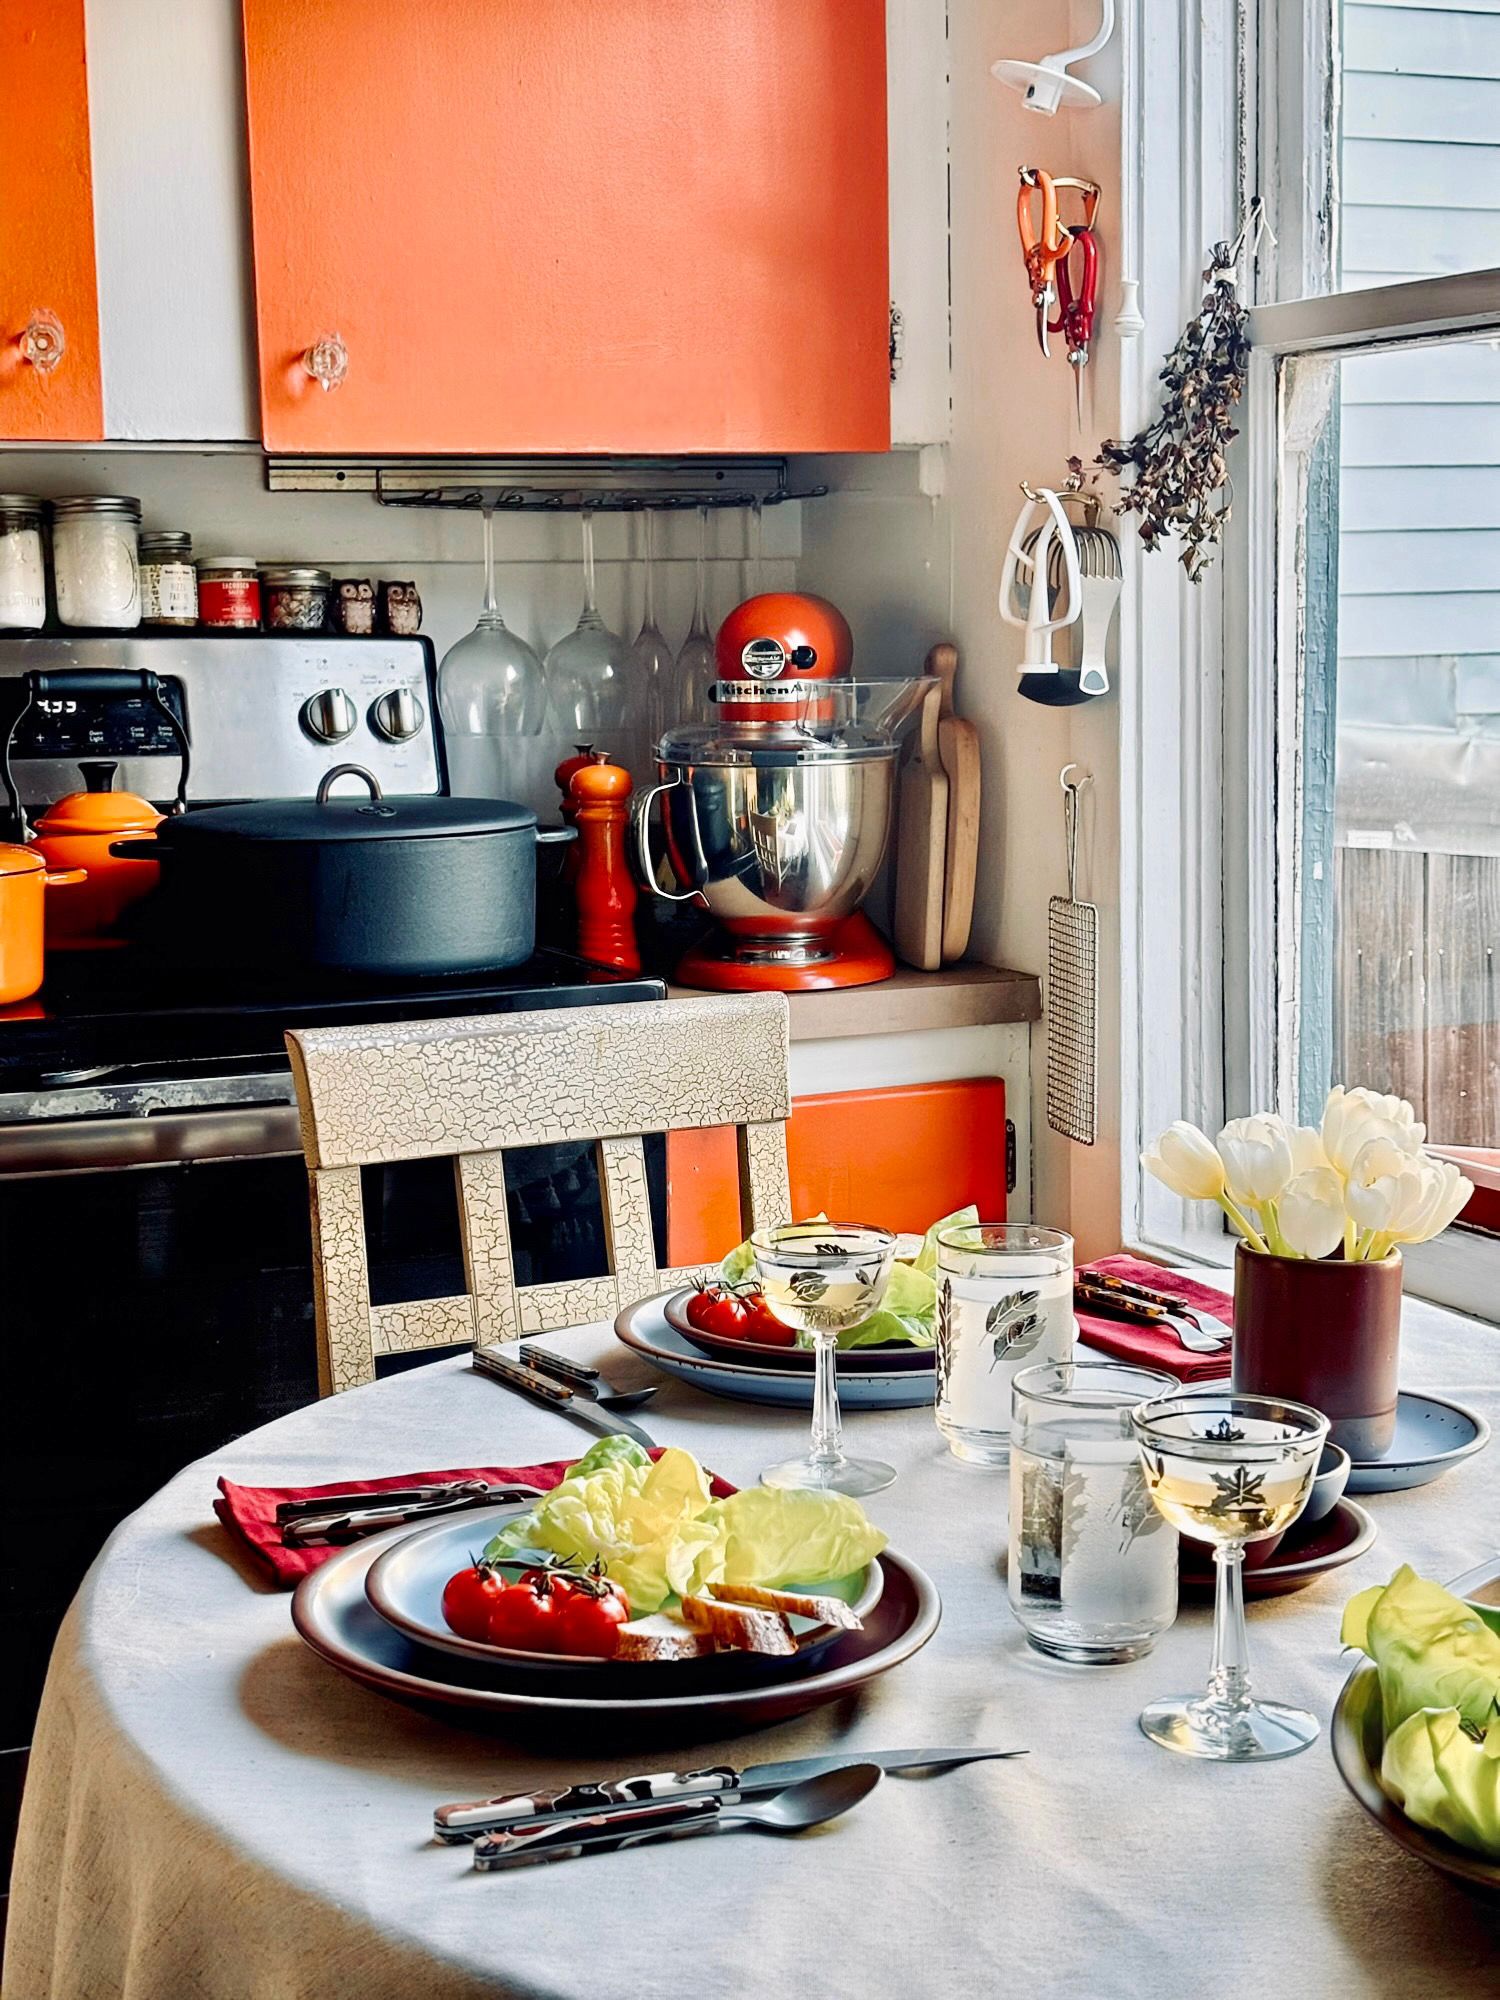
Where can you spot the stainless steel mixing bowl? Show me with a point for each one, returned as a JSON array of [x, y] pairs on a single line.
[[779, 847]]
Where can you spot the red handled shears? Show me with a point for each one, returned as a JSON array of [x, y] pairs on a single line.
[[1044, 243], [1077, 296]]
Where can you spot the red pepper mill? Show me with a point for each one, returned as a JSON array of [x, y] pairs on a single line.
[[562, 777], [604, 885]]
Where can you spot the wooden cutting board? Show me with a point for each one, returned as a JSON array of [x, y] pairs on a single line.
[[921, 842], [958, 746]]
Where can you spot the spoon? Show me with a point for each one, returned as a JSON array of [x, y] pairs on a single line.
[[794, 1810]]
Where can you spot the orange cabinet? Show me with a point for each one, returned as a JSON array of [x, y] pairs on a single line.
[[901, 1157], [49, 308], [570, 226]]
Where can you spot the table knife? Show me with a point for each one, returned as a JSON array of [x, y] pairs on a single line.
[[466, 1821], [595, 1416], [1138, 1312], [1127, 1288], [335, 1527]]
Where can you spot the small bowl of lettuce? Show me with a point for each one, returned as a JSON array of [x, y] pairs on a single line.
[[1416, 1734]]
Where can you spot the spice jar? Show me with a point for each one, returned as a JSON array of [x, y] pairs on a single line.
[[95, 564], [296, 599], [23, 575], [169, 583], [229, 593]]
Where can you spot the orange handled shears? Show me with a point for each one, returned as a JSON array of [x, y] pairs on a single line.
[[1044, 243]]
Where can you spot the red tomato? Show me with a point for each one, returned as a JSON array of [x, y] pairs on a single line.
[[738, 1313], [525, 1615], [468, 1599], [589, 1620]]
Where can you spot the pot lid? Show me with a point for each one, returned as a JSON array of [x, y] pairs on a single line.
[[374, 817], [19, 860], [99, 808]]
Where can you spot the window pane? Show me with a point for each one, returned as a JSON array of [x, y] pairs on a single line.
[[1418, 168], [1399, 564]]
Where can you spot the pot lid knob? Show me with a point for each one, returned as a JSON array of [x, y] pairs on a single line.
[[98, 775]]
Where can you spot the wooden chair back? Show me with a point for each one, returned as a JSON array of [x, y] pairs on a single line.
[[469, 1089]]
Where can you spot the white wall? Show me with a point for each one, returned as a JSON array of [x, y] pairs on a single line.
[[909, 568]]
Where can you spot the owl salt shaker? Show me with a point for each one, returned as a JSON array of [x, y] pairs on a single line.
[[354, 606], [400, 610]]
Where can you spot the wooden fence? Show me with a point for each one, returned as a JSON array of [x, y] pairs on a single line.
[[1416, 1005]]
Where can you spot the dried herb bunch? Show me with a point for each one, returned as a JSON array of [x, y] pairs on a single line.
[[1181, 484]]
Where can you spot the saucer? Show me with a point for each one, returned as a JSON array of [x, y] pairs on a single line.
[[1431, 1435]]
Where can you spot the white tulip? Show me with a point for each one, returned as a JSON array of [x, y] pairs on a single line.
[[1443, 1194], [1257, 1156], [1184, 1158], [1384, 1181], [1306, 1142], [1351, 1118], [1310, 1213]]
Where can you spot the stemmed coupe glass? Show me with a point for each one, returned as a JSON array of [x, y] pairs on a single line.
[[587, 677], [821, 1277], [490, 691], [697, 666], [1227, 1470], [650, 665]]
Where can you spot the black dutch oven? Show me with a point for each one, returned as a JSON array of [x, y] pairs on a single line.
[[376, 885]]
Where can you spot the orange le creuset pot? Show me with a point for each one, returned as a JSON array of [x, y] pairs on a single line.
[[76, 833], [24, 881]]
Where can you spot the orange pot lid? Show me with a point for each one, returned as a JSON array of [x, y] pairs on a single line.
[[100, 811], [16, 860]]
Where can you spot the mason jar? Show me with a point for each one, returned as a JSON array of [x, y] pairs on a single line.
[[169, 582], [23, 569], [95, 561]]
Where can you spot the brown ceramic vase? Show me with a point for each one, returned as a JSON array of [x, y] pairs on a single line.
[[1326, 1333]]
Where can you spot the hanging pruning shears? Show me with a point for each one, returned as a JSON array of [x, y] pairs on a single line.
[[1077, 294], [1044, 243]]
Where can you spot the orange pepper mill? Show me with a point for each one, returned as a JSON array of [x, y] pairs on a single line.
[[600, 794]]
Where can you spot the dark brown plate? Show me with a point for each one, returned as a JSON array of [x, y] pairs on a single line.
[[1305, 1552], [884, 1357], [727, 1694]]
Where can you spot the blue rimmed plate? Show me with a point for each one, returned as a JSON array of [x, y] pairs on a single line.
[[644, 1327], [1432, 1436]]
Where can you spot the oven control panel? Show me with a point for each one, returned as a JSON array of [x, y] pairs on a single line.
[[267, 715]]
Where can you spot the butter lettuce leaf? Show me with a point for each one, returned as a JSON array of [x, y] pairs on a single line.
[[1432, 1650], [773, 1537], [1443, 1778]]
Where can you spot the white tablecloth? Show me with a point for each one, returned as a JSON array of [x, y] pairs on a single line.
[[213, 1811]]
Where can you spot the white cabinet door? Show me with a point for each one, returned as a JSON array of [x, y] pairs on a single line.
[[916, 33]]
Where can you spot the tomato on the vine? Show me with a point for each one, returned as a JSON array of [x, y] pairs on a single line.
[[524, 1615], [738, 1313], [588, 1609], [469, 1597]]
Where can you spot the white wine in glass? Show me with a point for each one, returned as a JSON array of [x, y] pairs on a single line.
[[823, 1278], [1228, 1469]]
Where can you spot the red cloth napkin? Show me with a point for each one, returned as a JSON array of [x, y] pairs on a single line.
[[249, 1512], [1145, 1345]]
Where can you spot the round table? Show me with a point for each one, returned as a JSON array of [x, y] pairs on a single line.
[[213, 1810]]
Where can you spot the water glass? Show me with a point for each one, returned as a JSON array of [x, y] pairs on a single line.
[[1092, 1572], [1005, 1301]]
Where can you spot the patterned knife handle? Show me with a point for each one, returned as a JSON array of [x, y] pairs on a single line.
[[596, 1833], [1109, 1304], [530, 1381], [468, 1819]]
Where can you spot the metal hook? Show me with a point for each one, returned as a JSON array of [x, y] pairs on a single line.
[[1086, 779]]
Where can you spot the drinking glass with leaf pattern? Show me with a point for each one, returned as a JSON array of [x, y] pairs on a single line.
[[1092, 1566], [1005, 1301], [1227, 1470], [824, 1278]]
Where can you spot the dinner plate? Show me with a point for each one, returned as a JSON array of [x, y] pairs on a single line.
[[1431, 1436], [1357, 1739], [1306, 1551], [889, 1357], [644, 1327], [405, 1585], [333, 1615]]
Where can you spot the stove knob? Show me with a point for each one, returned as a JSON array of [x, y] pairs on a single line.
[[329, 716], [397, 716]]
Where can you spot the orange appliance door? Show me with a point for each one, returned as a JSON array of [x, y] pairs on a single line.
[[900, 1157], [47, 222], [571, 225]]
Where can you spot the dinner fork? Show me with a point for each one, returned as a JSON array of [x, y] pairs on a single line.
[[1138, 1312]]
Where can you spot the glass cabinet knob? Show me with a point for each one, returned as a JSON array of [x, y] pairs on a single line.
[[327, 361], [43, 342]]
